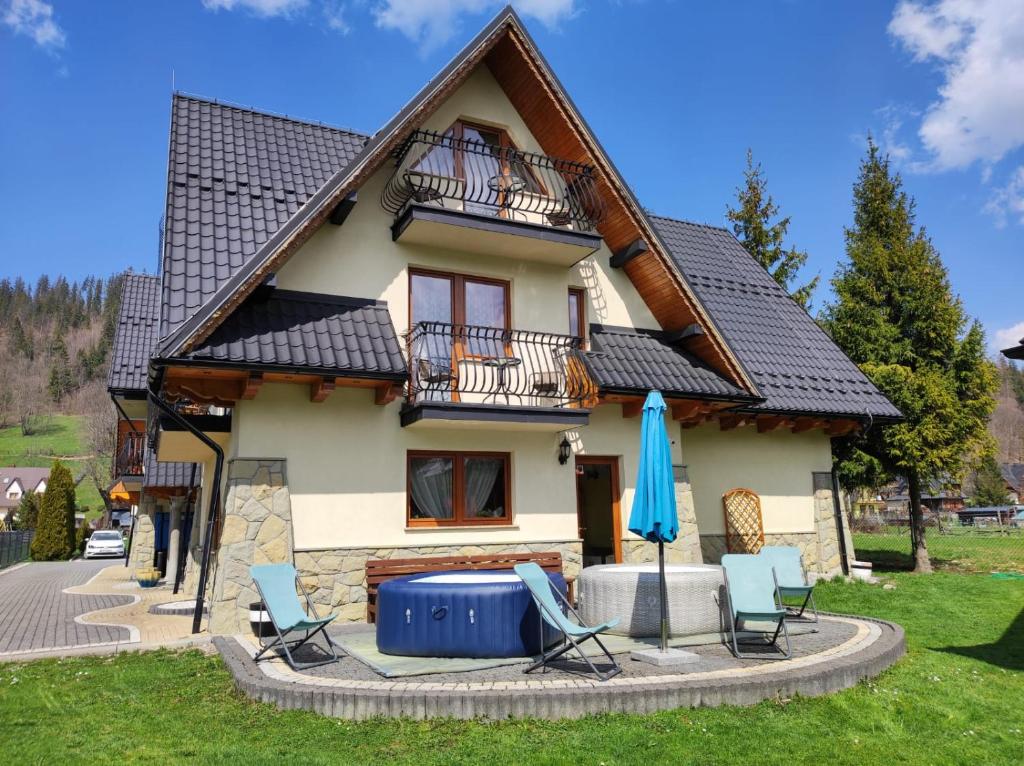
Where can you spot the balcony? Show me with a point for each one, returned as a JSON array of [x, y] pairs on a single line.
[[474, 197], [130, 457], [461, 375]]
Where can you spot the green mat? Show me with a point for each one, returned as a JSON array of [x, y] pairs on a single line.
[[362, 645], [1007, 576]]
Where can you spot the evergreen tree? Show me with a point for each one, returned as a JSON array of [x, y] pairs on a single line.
[[62, 379], [896, 316], [752, 225], [28, 511], [55, 532], [989, 485], [21, 342]]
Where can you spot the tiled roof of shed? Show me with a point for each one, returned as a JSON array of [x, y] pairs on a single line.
[[793, 362], [234, 177], [136, 333], [159, 474], [623, 359], [307, 330]]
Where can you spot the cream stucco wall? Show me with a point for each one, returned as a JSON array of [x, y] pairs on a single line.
[[360, 260], [346, 462], [778, 466]]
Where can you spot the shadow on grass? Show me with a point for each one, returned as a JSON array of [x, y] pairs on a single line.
[[1007, 652]]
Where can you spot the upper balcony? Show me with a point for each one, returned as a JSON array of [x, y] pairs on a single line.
[[461, 375], [130, 456], [478, 197]]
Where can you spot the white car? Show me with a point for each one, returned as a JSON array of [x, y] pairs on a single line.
[[104, 543]]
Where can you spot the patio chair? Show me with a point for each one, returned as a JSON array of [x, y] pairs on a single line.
[[276, 586], [752, 595], [792, 580], [552, 612]]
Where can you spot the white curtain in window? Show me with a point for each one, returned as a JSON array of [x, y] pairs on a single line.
[[431, 486], [481, 474]]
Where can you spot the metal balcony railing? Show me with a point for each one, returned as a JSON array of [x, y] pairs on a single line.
[[131, 453], [501, 181], [488, 365]]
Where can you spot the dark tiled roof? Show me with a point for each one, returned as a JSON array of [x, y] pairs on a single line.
[[323, 332], [793, 362], [1015, 352], [136, 334], [1013, 474], [623, 359], [169, 474], [234, 177]]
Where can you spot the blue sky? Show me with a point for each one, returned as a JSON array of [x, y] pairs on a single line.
[[676, 92]]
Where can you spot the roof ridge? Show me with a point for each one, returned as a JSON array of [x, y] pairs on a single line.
[[266, 113], [690, 223]]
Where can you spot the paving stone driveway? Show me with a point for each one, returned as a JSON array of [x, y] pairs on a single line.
[[35, 614]]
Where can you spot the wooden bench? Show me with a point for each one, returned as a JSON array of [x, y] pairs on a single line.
[[380, 570]]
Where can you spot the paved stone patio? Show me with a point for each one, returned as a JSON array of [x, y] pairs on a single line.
[[844, 651], [39, 615]]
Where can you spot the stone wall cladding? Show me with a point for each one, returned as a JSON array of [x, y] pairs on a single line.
[[687, 548], [143, 542], [336, 578], [257, 529]]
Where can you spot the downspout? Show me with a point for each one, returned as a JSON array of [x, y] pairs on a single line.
[[179, 565], [164, 407], [837, 510], [131, 529]]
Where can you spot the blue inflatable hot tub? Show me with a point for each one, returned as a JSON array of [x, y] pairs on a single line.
[[480, 613]]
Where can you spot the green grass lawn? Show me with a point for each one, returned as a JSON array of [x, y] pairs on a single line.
[[958, 549], [60, 436], [957, 698]]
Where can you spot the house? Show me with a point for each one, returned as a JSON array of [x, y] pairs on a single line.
[[940, 496], [1013, 475], [158, 496], [437, 339], [15, 482]]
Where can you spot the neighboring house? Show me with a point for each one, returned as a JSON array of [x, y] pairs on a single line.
[[945, 496], [1013, 475], [15, 482], [437, 339], [163, 491]]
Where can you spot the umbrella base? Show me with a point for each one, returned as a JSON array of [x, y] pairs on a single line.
[[662, 659]]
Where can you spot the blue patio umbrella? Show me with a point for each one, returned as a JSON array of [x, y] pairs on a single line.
[[654, 515]]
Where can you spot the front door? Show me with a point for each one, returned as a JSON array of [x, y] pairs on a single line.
[[597, 507]]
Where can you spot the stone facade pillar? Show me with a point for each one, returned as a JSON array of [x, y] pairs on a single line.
[[829, 561], [143, 536], [174, 541], [257, 529], [686, 548]]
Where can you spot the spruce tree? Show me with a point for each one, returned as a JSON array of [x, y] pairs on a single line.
[[989, 484], [62, 379], [896, 316], [55, 532], [28, 511], [752, 225]]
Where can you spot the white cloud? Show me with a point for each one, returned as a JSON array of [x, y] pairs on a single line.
[[264, 8], [1008, 336], [979, 46], [1007, 202], [334, 15], [433, 22], [34, 18]]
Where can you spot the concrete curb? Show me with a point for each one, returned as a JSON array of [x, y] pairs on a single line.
[[103, 649], [639, 695], [13, 568]]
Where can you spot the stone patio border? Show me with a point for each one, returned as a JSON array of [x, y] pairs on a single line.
[[877, 645]]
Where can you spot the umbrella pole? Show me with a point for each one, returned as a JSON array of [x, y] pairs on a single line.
[[664, 596]]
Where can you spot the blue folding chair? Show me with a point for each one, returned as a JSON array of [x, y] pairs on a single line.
[[276, 586], [791, 577], [752, 595], [552, 613]]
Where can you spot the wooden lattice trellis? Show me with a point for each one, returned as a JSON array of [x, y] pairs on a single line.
[[744, 527]]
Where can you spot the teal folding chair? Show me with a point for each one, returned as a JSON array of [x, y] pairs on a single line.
[[792, 579], [552, 612], [276, 586], [752, 595]]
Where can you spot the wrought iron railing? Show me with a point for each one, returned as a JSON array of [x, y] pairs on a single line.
[[502, 181], [488, 365], [131, 454]]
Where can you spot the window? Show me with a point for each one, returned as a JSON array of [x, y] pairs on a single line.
[[458, 488], [577, 312], [460, 300]]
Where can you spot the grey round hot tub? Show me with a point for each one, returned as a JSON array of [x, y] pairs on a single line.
[[631, 593]]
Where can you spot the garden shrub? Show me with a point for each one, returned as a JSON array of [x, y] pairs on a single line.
[[55, 531]]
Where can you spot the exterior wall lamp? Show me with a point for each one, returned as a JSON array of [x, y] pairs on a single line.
[[564, 451]]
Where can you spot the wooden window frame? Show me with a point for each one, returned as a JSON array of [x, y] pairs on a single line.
[[458, 458], [505, 142], [458, 283], [581, 311]]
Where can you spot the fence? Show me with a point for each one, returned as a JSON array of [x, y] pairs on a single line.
[[14, 547], [965, 541]]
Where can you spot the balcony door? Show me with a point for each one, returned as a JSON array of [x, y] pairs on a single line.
[[463, 318]]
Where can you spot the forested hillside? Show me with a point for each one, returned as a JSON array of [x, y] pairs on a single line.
[[1008, 419]]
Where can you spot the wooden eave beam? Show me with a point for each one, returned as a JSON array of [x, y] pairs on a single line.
[[727, 421], [800, 425], [320, 389], [253, 381], [635, 248], [386, 393], [633, 408], [768, 423], [841, 427], [687, 410], [343, 208]]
